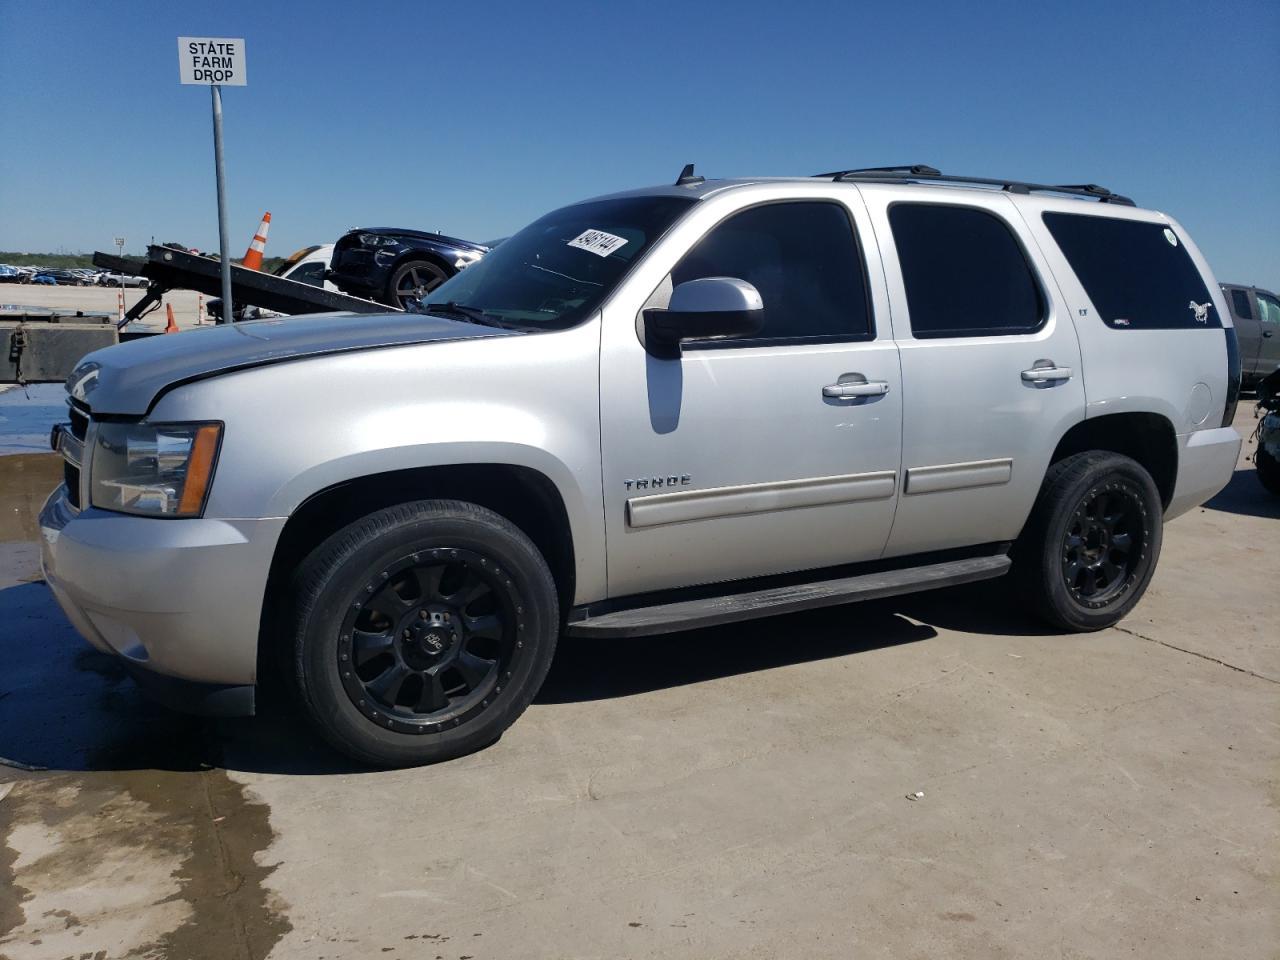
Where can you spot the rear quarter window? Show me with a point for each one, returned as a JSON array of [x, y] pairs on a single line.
[[1138, 274]]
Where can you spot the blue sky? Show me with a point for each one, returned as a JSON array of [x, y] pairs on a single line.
[[475, 118]]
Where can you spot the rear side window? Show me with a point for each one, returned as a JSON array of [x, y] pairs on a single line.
[[965, 272], [1138, 275], [802, 257], [1240, 304]]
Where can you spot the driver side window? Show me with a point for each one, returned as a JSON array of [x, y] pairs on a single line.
[[803, 258], [1269, 311]]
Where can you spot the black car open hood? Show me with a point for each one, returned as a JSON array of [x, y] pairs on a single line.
[[127, 379]]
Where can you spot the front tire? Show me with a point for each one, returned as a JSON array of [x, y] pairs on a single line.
[[422, 631], [1268, 470], [1091, 544], [410, 283]]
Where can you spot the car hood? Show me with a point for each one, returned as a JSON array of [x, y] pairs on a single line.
[[421, 235], [127, 379]]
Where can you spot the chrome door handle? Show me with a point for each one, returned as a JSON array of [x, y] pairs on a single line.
[[1046, 371], [857, 388]]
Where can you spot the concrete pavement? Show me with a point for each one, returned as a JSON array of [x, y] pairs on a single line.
[[744, 791]]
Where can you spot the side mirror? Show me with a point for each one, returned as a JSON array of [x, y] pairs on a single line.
[[711, 308]]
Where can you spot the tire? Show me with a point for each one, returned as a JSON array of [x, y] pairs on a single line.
[[1091, 544], [1268, 471], [469, 630], [412, 280]]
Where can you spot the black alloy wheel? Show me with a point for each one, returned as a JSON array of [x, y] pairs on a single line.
[[412, 281], [1090, 547], [421, 631], [1104, 543], [430, 639]]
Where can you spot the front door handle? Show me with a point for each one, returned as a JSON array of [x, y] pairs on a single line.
[[856, 388], [1046, 371]]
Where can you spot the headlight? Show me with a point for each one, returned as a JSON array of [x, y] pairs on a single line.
[[375, 240], [154, 470]]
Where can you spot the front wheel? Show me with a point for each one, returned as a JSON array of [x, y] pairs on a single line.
[[1268, 470], [411, 282], [422, 631], [1090, 547]]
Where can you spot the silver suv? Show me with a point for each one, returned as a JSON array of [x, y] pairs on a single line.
[[648, 412]]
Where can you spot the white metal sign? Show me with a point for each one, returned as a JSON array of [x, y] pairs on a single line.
[[212, 60]]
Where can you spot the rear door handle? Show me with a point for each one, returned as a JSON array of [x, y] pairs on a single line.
[[856, 388], [1046, 371]]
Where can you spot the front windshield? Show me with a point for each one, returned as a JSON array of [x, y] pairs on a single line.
[[556, 271]]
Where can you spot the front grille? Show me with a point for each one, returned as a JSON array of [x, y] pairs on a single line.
[[79, 423], [70, 471], [71, 477]]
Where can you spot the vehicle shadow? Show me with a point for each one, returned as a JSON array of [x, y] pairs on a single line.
[[66, 707], [592, 669], [1244, 495]]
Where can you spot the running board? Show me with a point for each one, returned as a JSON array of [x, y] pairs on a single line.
[[712, 611]]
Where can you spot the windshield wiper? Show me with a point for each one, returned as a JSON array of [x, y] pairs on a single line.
[[470, 314]]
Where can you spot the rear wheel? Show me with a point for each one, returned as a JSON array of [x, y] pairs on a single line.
[[1090, 547], [421, 632], [412, 281]]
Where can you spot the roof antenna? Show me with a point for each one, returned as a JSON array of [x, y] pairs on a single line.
[[686, 178]]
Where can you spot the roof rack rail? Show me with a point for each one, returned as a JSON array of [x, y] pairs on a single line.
[[925, 174]]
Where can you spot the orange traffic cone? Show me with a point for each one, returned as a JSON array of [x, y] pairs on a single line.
[[170, 327], [120, 303], [253, 256], [200, 310]]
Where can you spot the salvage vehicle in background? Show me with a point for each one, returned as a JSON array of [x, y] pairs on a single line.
[[1267, 457], [1256, 315], [59, 276], [10, 274], [108, 279], [308, 265], [396, 266], [646, 413]]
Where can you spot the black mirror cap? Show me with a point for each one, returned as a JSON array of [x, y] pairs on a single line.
[[665, 330]]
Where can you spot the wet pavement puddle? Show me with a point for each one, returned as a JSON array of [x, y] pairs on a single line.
[[121, 833]]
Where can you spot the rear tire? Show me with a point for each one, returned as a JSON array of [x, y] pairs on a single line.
[[1091, 544], [421, 632], [1268, 471]]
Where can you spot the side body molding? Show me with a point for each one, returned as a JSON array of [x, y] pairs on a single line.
[[731, 501], [958, 476]]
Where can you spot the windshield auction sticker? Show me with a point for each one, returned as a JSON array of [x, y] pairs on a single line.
[[598, 242]]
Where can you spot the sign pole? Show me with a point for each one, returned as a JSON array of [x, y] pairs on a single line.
[[120, 253], [225, 258]]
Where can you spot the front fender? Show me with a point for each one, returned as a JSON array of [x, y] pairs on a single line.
[[295, 429]]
